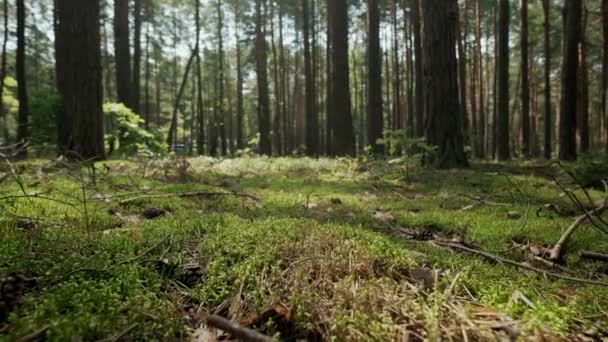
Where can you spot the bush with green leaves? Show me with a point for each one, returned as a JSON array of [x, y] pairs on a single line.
[[44, 108], [125, 128]]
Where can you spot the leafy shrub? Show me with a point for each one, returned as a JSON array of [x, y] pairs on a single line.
[[132, 138], [44, 108], [591, 169]]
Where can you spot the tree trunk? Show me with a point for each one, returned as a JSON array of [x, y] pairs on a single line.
[[312, 121], [137, 23], [23, 125], [240, 110], [397, 112], [200, 114], [481, 116], [419, 95], [221, 122], [548, 142], [375, 120], [567, 133], [462, 74], [329, 129], [261, 55], [525, 81], [147, 81], [172, 137], [344, 136], [503, 126], [444, 128], [3, 114], [604, 112], [583, 89], [122, 52], [78, 43], [276, 123]]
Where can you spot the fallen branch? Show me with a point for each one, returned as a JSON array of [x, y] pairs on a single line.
[[237, 331], [35, 336], [556, 252], [122, 334], [594, 256], [502, 260], [191, 195]]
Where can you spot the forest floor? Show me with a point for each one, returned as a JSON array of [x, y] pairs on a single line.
[[295, 248]]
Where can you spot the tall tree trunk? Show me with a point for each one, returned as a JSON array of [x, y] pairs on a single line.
[[375, 119], [122, 52], [548, 142], [240, 109], [261, 55], [419, 95], [276, 123], [312, 121], [481, 116], [137, 23], [525, 81], [78, 43], [284, 83], [583, 89], [462, 72], [444, 128], [567, 133], [23, 126], [344, 136], [503, 126], [604, 112], [147, 81], [221, 120], [200, 114], [329, 122], [3, 63], [397, 112], [172, 137]]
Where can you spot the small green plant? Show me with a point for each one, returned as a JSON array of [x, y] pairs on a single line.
[[410, 151], [132, 138]]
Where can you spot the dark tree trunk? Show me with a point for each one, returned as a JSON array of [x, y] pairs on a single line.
[[221, 101], [200, 113], [312, 121], [147, 81], [481, 115], [122, 53], [343, 133], [240, 109], [329, 129], [172, 137], [604, 73], [503, 126], [276, 123], [462, 73], [3, 63], [261, 55], [79, 80], [397, 112], [583, 89], [548, 142], [375, 120], [23, 126], [137, 23], [419, 95], [444, 122], [525, 81], [567, 133]]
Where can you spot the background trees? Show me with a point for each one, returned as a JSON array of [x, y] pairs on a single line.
[[286, 77]]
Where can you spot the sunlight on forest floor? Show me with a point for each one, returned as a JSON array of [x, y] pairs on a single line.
[[295, 248]]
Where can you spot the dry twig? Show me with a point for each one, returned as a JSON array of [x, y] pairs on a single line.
[[236, 330]]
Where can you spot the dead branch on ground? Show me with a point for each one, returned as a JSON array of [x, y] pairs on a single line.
[[236, 330]]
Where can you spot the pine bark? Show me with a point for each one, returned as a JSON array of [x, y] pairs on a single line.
[[79, 79], [122, 52], [343, 131], [444, 128], [200, 114], [503, 117], [22, 95], [548, 116], [375, 120], [137, 24], [3, 62], [583, 89], [261, 56], [568, 122], [525, 80], [418, 73]]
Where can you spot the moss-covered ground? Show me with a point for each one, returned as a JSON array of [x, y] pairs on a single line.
[[296, 248]]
